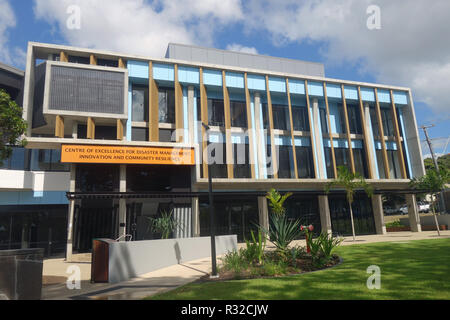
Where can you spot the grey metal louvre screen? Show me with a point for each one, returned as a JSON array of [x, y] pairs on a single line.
[[86, 90]]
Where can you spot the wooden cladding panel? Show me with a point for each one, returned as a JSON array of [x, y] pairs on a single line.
[[333, 156], [153, 112], [291, 123], [347, 128], [313, 144], [366, 136], [401, 158], [381, 131]]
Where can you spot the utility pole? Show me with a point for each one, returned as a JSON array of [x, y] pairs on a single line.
[[424, 128]]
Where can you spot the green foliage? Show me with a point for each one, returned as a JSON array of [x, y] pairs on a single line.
[[255, 247], [395, 223], [283, 231], [295, 253], [350, 182], [272, 268], [12, 126], [276, 201], [322, 248], [443, 163], [433, 182], [165, 224], [235, 261]]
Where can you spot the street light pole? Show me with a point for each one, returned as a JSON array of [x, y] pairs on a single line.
[[211, 214]]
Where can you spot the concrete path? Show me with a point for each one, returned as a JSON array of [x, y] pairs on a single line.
[[171, 277]]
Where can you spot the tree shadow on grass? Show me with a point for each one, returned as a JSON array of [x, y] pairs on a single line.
[[415, 270]]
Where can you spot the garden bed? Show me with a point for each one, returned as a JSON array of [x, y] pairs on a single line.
[[304, 265]]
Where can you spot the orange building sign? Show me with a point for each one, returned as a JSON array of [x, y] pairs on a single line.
[[126, 155]]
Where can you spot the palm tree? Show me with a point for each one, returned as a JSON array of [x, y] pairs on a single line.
[[433, 183], [350, 182], [276, 201]]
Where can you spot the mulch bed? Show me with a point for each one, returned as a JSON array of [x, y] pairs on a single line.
[[302, 266]]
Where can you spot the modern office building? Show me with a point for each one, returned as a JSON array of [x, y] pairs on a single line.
[[115, 139]]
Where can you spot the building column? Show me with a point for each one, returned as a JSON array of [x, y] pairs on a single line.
[[195, 217], [318, 138], [413, 213], [123, 203], [259, 136], [191, 118], [71, 212], [263, 213], [378, 215], [325, 218]]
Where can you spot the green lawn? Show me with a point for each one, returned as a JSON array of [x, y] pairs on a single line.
[[414, 270]]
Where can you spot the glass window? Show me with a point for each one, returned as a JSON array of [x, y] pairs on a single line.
[[380, 164], [166, 105], [300, 118], [140, 103], [107, 63], [265, 114], [238, 114], [280, 116], [17, 160], [342, 159], [342, 119], [374, 122], [241, 166], [105, 133], [360, 162], [82, 60], [284, 161], [97, 178], [216, 116], [354, 119], [304, 162], [48, 160], [388, 124], [394, 165], [323, 120], [167, 135], [218, 160], [139, 134]]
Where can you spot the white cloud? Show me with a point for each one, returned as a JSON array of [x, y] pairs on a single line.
[[409, 50], [7, 21], [136, 26], [240, 48]]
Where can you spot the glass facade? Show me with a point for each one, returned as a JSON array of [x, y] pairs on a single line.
[[340, 215], [34, 226], [166, 102], [140, 103], [238, 114], [241, 163], [233, 215], [305, 166], [300, 118]]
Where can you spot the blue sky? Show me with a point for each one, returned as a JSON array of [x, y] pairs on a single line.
[[333, 32]]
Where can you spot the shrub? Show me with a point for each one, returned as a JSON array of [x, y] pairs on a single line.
[[273, 268], [283, 231], [395, 223], [235, 261], [322, 248], [255, 248]]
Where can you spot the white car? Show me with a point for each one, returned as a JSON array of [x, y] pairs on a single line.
[[423, 207], [403, 209]]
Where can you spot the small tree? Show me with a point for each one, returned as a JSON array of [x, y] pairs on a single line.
[[12, 126], [276, 201], [432, 183], [165, 224], [350, 182]]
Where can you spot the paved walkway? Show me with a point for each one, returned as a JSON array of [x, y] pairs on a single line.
[[171, 277]]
